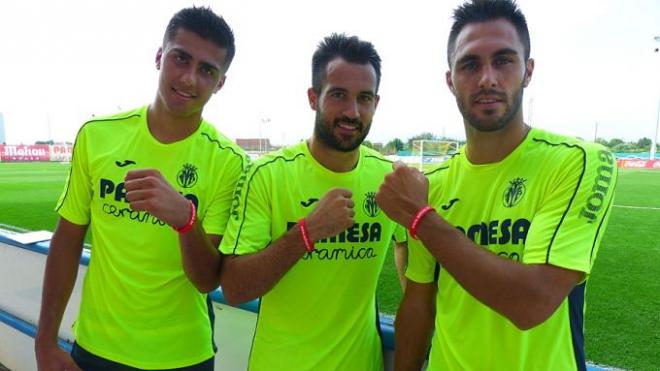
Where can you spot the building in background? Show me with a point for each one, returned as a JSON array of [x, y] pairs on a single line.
[[256, 147]]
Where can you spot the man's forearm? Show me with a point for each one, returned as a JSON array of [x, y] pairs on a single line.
[[526, 294], [201, 258], [248, 277], [414, 327], [59, 279]]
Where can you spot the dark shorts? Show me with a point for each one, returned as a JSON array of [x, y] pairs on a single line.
[[90, 362]]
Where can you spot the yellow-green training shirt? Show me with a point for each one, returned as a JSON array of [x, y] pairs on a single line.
[[546, 203], [138, 307], [322, 315]]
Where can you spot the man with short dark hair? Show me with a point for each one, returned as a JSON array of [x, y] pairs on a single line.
[[508, 228], [155, 184], [306, 234]]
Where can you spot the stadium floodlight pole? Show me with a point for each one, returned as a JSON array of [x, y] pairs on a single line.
[[654, 140], [262, 144]]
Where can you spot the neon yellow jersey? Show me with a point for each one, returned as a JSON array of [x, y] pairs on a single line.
[[138, 306], [546, 203], [322, 314]]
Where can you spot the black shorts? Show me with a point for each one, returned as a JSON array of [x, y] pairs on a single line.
[[90, 362]]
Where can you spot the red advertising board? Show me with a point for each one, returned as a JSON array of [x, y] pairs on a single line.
[[36, 152], [638, 164]]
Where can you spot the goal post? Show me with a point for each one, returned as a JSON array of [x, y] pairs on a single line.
[[431, 152]]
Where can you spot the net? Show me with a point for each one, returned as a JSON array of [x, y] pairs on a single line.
[[432, 152]]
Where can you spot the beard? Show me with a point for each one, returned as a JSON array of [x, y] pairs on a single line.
[[323, 130], [499, 123]]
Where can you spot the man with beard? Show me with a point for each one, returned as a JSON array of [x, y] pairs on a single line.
[[503, 259], [305, 233]]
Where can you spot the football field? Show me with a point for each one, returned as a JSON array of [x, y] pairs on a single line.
[[622, 323]]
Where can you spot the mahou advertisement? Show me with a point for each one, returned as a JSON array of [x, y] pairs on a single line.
[[36, 152]]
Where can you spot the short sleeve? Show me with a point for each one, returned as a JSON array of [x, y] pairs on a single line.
[[421, 264], [217, 212], [400, 234], [249, 227], [567, 229], [74, 202]]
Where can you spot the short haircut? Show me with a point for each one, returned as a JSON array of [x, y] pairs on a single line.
[[351, 49], [207, 25], [476, 11]]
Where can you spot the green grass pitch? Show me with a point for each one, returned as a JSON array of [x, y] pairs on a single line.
[[622, 323]]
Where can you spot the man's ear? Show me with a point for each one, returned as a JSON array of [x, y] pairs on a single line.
[[450, 82], [221, 83], [159, 57], [529, 69], [312, 98]]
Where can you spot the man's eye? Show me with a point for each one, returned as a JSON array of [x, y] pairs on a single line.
[[208, 71], [178, 58], [366, 98], [502, 61], [469, 66]]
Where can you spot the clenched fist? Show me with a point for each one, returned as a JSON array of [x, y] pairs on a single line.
[[333, 214], [403, 193], [148, 190]]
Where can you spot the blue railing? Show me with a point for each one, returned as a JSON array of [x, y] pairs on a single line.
[[386, 322]]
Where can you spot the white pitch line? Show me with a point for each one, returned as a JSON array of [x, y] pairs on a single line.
[[637, 207]]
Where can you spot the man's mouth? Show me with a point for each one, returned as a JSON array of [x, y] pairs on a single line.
[[488, 97], [348, 125], [184, 94], [488, 100]]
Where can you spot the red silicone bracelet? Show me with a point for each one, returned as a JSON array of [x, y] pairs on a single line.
[[188, 226], [417, 219], [309, 245]]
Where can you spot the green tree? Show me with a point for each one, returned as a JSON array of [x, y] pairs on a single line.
[[603, 142], [614, 142], [393, 146], [644, 143], [422, 136]]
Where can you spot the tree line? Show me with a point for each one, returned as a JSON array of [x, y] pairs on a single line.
[[615, 145], [618, 145]]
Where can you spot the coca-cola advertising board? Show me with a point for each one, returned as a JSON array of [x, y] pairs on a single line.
[[639, 164]]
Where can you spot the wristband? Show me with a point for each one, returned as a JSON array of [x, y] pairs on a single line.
[[309, 245], [417, 219], [188, 226]]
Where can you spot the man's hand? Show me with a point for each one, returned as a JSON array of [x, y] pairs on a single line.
[[53, 358], [333, 214], [147, 190], [403, 193]]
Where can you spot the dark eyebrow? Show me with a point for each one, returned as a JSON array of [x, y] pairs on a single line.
[[505, 51], [363, 92], [182, 52], [336, 89], [187, 55], [498, 53], [467, 58], [210, 66]]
